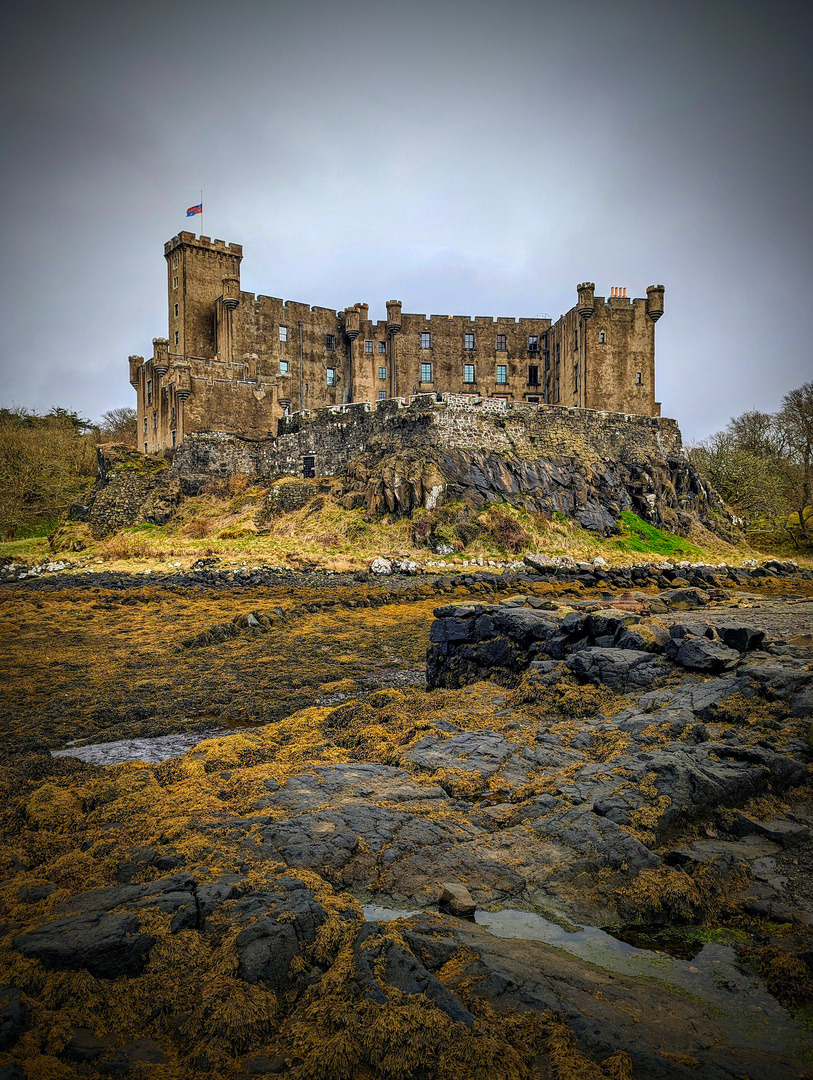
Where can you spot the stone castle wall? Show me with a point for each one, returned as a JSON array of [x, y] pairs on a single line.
[[238, 362], [333, 437]]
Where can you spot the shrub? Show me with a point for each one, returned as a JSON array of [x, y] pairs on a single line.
[[506, 530], [198, 528]]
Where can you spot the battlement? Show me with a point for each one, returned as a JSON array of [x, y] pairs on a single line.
[[242, 361], [206, 243]]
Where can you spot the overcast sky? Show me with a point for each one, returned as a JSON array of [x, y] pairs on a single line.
[[468, 158]]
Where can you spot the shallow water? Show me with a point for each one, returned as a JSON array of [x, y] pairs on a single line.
[[743, 1008], [151, 750]]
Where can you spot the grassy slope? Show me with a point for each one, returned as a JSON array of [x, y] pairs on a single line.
[[325, 534]]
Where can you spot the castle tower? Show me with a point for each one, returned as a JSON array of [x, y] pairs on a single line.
[[135, 367], [654, 301], [198, 270], [587, 301], [160, 355], [352, 328], [393, 328]]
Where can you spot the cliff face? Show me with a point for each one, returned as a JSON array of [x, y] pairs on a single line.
[[669, 493], [398, 457]]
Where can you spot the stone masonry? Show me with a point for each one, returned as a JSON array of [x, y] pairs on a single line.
[[239, 363]]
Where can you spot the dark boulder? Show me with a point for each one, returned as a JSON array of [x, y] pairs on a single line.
[[108, 945], [377, 959], [620, 669]]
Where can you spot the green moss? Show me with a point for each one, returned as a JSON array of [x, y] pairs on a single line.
[[638, 535]]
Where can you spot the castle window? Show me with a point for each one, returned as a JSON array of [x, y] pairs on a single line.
[[468, 341], [283, 366], [175, 262], [382, 395], [575, 339], [602, 338], [502, 343], [558, 351], [155, 421], [174, 438], [468, 373], [533, 343], [382, 348], [175, 282], [426, 372], [149, 391], [502, 373], [330, 342], [145, 446], [283, 333], [145, 429], [546, 358], [177, 337], [177, 310], [172, 416], [575, 378], [331, 376], [426, 340], [638, 379], [368, 347], [382, 373], [533, 375]]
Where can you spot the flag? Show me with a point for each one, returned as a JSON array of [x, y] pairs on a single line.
[[195, 210]]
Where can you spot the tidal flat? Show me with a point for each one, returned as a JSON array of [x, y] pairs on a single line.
[[228, 815]]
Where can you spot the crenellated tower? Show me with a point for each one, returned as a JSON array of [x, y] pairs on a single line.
[[199, 272]]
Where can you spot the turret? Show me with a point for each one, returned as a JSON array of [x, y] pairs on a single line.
[[231, 292], [160, 355], [393, 316], [183, 385], [586, 299], [135, 364], [654, 301], [352, 322]]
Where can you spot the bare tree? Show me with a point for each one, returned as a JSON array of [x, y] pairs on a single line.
[[795, 421], [119, 425]]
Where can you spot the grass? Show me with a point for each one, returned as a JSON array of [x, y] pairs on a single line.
[[638, 535], [234, 525]]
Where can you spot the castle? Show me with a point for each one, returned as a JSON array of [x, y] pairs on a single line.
[[239, 363]]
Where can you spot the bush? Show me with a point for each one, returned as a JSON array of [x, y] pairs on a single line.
[[506, 530], [198, 528]]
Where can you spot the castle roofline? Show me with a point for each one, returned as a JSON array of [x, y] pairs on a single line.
[[188, 239]]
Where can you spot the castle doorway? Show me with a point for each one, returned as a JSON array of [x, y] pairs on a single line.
[[309, 467]]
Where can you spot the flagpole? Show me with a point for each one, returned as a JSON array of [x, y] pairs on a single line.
[[201, 211]]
